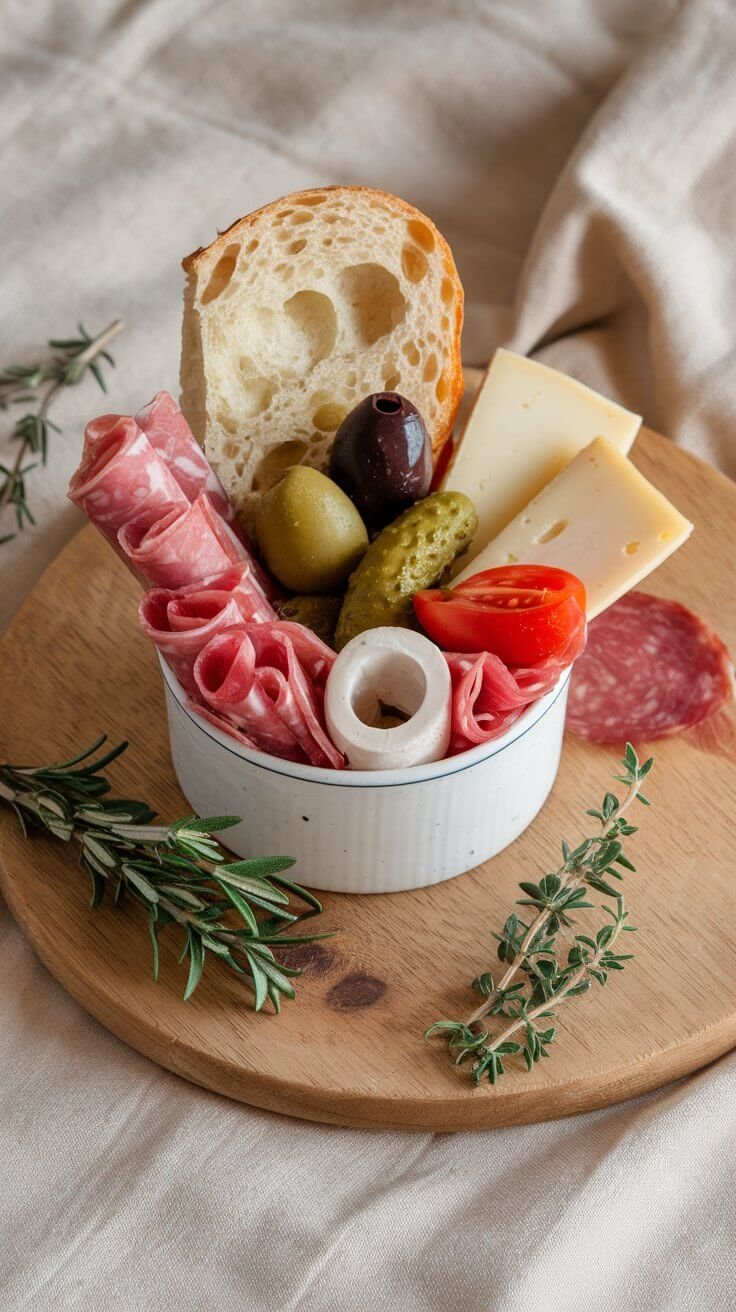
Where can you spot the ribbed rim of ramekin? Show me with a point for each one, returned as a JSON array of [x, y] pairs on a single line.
[[414, 774]]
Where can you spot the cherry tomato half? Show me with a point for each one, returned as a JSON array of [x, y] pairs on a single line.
[[522, 613]]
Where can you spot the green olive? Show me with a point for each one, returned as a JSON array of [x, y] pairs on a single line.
[[318, 614], [309, 531], [411, 554]]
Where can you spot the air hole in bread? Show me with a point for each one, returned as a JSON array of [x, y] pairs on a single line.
[[221, 274], [411, 353], [327, 241], [276, 462], [256, 391], [414, 264], [309, 335], [252, 246], [329, 218], [313, 198], [391, 383], [431, 365], [445, 323], [302, 216], [442, 389], [327, 418], [421, 234], [297, 246], [225, 419], [240, 468], [375, 300], [282, 214], [231, 450], [447, 291], [351, 379]]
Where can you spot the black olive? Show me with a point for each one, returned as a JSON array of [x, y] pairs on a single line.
[[382, 457]]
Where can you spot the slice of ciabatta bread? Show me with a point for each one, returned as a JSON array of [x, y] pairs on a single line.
[[297, 312]]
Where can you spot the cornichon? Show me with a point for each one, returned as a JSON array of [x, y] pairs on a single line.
[[318, 613], [411, 554]]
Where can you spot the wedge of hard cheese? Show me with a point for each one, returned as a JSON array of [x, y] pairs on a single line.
[[527, 423], [599, 519]]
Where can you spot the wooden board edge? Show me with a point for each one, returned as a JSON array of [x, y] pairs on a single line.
[[479, 1109]]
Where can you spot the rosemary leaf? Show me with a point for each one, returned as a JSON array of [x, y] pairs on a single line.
[[177, 871], [37, 386]]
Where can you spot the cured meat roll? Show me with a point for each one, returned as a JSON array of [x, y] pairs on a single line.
[[136, 487], [180, 623], [182, 545], [171, 437], [651, 669], [487, 696], [121, 477], [252, 676], [485, 699]]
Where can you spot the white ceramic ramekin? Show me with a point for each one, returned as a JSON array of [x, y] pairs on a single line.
[[371, 831]]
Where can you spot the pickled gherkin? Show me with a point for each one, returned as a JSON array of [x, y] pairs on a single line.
[[411, 554]]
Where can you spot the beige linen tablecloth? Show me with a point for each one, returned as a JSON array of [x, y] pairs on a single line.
[[579, 155]]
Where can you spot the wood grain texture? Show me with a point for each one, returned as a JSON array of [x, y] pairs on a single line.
[[349, 1050]]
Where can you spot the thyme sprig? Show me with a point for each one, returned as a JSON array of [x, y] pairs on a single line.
[[537, 980], [234, 910], [38, 385]]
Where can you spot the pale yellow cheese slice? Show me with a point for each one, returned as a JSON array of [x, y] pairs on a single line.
[[527, 423], [599, 519]]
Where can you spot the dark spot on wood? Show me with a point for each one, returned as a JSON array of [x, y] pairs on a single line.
[[306, 817], [310, 958], [356, 990]]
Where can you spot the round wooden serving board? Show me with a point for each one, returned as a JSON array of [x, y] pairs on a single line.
[[350, 1049]]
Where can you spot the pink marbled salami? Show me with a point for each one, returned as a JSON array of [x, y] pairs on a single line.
[[121, 477], [136, 487], [183, 545], [651, 669], [171, 437], [181, 622], [487, 696], [252, 676]]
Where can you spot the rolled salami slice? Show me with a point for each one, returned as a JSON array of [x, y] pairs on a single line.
[[314, 655], [181, 547], [651, 668], [180, 623], [252, 676], [288, 664], [180, 628], [170, 435], [121, 477], [224, 673], [218, 723], [485, 699]]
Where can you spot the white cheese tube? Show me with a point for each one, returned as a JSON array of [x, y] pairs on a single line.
[[400, 669]]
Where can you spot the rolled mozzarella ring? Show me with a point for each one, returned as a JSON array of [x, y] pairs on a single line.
[[402, 669]]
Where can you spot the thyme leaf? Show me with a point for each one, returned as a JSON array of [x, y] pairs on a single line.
[[541, 972]]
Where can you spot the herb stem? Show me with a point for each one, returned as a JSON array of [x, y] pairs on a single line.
[[570, 880], [64, 370], [562, 993]]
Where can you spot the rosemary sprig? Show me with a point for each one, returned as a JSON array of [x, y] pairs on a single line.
[[536, 981], [38, 385], [234, 910]]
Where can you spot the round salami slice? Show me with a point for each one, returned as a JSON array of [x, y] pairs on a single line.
[[650, 669]]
